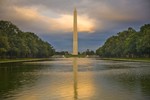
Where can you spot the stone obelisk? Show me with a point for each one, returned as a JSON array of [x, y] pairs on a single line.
[[75, 34]]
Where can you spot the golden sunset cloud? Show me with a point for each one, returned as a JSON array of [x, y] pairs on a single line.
[[63, 23]]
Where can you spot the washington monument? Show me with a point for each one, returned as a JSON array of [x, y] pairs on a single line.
[[75, 34]]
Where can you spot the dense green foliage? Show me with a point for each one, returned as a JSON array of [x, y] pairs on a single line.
[[15, 43], [129, 43], [88, 52]]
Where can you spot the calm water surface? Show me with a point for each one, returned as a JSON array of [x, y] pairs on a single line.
[[75, 79]]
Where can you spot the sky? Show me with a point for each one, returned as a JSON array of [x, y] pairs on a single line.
[[52, 20]]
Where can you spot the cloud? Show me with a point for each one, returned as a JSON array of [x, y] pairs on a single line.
[[65, 23], [112, 14], [30, 18], [56, 16]]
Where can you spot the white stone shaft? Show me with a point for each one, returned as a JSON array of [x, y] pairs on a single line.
[[75, 34]]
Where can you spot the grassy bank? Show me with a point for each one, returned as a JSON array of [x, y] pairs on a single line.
[[22, 60], [128, 59]]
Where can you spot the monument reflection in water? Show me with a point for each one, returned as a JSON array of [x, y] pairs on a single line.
[[75, 74]]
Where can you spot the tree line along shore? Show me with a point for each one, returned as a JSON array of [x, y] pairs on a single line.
[[127, 44], [15, 43]]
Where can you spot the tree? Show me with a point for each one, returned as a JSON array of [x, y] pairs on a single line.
[[15, 43], [128, 43]]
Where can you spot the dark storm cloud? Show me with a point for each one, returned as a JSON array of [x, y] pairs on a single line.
[[64, 42]]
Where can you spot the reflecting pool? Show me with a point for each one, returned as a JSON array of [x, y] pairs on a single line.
[[75, 79]]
